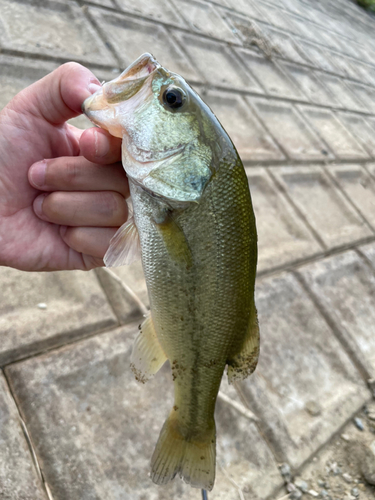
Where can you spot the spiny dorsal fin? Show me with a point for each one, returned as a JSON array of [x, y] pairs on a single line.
[[124, 247], [147, 356]]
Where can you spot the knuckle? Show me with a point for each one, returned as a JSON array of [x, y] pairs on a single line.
[[71, 237], [71, 173], [52, 205]]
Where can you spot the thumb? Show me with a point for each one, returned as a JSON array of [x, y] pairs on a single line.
[[59, 96]]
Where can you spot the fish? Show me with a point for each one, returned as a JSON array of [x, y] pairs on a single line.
[[194, 228]]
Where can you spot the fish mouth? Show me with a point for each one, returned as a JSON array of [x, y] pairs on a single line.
[[122, 88], [111, 106]]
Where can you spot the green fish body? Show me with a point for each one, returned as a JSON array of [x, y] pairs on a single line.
[[195, 225]]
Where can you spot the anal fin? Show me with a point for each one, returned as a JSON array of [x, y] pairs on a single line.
[[243, 362], [148, 356]]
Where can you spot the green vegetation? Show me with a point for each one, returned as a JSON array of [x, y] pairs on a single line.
[[367, 4]]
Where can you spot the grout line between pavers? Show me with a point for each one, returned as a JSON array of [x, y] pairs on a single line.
[[234, 44], [329, 441], [34, 456], [300, 214], [348, 198], [56, 59], [298, 263], [289, 162], [69, 342], [249, 93], [332, 325], [128, 290], [99, 31], [295, 33], [289, 267], [365, 258]]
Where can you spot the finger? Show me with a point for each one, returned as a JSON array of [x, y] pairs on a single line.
[[75, 173], [74, 131], [98, 146], [88, 240], [59, 96], [103, 208]]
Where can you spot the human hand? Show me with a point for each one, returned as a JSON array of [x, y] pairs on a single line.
[[66, 220]]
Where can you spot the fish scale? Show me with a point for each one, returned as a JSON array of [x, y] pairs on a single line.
[[194, 223]]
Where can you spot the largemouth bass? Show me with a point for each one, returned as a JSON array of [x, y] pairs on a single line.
[[194, 224]]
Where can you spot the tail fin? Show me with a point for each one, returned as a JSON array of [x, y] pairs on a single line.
[[194, 460]]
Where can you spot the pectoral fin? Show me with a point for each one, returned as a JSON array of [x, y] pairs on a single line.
[[174, 240], [124, 247], [243, 361], [147, 356]]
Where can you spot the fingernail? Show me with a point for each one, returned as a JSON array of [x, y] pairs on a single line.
[[38, 174], [38, 205], [101, 144], [94, 85]]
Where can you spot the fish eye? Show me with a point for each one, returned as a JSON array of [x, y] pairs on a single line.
[[174, 97]]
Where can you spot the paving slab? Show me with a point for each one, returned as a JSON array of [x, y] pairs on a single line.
[[246, 30], [128, 308], [286, 45], [145, 37], [269, 75], [247, 7], [44, 310], [330, 40], [249, 136], [95, 427], [276, 17], [371, 122], [282, 236], [360, 129], [331, 130], [305, 386], [344, 287], [217, 63], [104, 3], [159, 10], [52, 28], [18, 477], [315, 195], [317, 56], [369, 252], [365, 73], [359, 187], [343, 64], [17, 73], [293, 6], [292, 133], [338, 469], [370, 167], [309, 84], [341, 92], [365, 95], [205, 18]]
